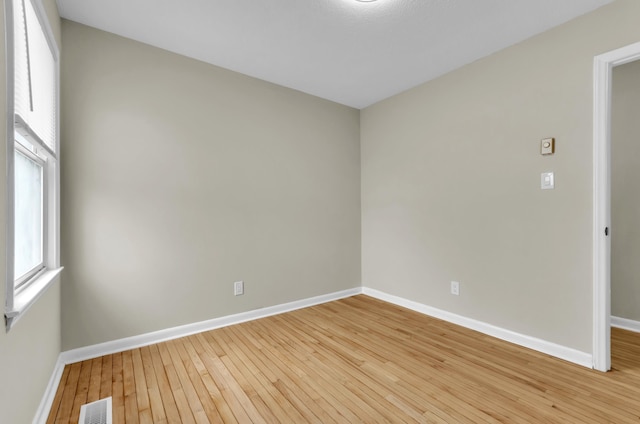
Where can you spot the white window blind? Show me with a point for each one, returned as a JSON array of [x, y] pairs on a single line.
[[35, 79]]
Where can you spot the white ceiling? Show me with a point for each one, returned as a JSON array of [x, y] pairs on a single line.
[[354, 53]]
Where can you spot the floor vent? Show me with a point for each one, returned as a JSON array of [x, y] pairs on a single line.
[[98, 412]]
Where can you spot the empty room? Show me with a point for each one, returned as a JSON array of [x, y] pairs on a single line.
[[327, 211]]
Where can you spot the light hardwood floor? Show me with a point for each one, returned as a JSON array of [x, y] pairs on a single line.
[[356, 360]]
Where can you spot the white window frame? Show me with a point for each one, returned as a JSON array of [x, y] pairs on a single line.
[[21, 295]]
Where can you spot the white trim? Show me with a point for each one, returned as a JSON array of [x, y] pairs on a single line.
[[28, 295], [553, 349], [602, 76], [90, 352], [625, 324], [9, 211], [601, 215], [49, 394]]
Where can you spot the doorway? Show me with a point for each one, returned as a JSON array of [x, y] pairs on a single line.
[[603, 75], [625, 201]]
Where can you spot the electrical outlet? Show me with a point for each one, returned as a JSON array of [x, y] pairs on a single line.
[[238, 288], [455, 288]]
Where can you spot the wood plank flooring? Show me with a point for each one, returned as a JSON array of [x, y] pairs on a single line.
[[356, 360]]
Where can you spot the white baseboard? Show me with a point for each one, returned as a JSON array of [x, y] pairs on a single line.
[[107, 348], [50, 392], [559, 351], [625, 324]]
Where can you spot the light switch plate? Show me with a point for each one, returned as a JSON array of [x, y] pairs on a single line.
[[547, 146], [547, 181]]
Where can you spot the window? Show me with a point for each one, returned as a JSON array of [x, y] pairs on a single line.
[[33, 224], [28, 216]]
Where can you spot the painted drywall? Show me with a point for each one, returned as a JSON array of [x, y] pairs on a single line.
[[28, 353], [451, 184], [625, 197], [180, 178]]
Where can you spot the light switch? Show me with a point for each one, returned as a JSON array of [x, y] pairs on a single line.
[[547, 146], [546, 180]]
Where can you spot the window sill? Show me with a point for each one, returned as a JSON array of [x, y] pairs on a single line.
[[26, 297]]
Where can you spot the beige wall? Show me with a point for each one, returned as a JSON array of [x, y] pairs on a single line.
[[180, 178], [625, 196], [28, 353], [451, 183]]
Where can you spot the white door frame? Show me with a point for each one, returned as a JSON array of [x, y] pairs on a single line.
[[602, 78]]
